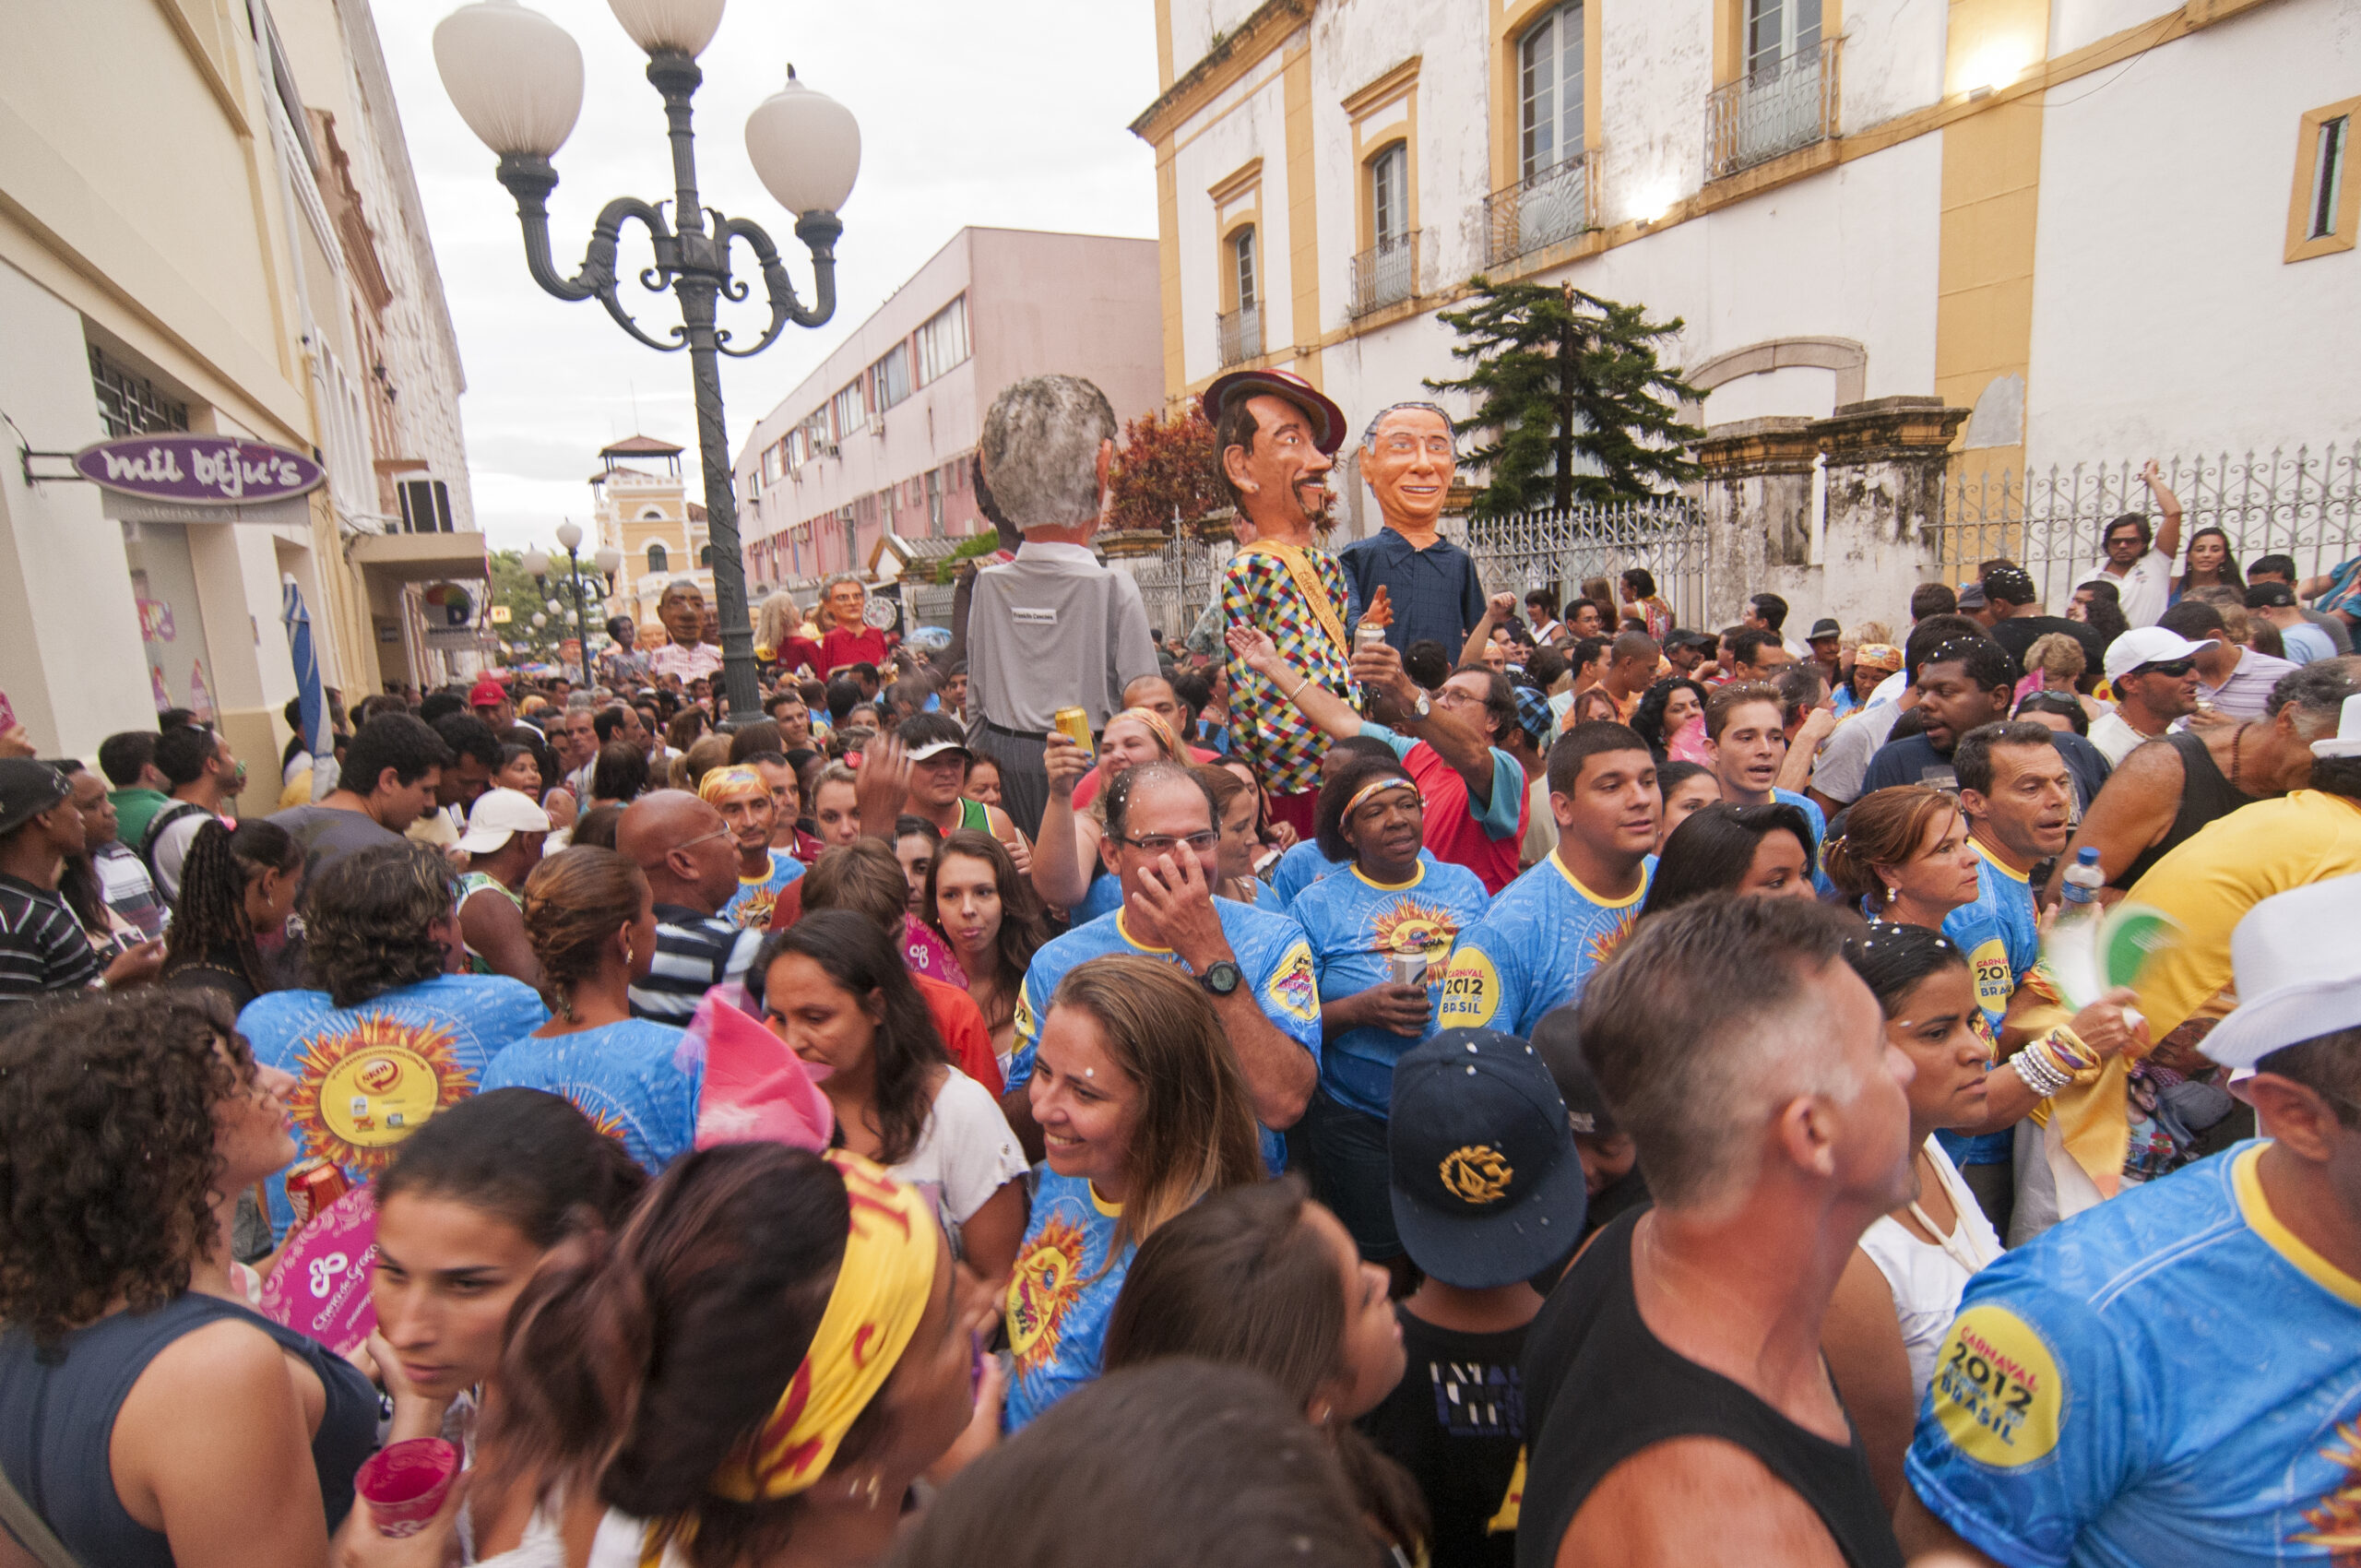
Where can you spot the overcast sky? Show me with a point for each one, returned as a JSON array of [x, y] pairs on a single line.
[[1009, 114]]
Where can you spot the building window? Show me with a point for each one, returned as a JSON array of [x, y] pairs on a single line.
[[2324, 209], [1238, 330], [704, 555], [1241, 266], [131, 405], [657, 561], [942, 340], [934, 502], [1549, 90], [890, 377], [426, 505], [1389, 196], [851, 407], [1784, 96], [1778, 30]]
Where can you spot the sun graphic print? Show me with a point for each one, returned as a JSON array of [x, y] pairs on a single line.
[[1607, 939], [1045, 1287], [361, 1089], [2336, 1520], [750, 910], [1431, 928]]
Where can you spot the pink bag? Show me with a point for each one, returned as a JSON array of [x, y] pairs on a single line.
[[321, 1286]]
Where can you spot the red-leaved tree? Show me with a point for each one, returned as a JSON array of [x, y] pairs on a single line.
[[1163, 467]]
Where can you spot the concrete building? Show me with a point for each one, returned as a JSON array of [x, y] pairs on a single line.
[[641, 508], [209, 222], [882, 437], [2112, 228]]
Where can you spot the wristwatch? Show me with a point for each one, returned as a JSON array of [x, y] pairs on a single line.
[[1221, 978], [1422, 706]]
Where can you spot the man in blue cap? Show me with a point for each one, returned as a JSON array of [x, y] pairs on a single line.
[[1488, 1192]]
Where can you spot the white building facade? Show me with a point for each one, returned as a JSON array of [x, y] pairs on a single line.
[[2112, 228]]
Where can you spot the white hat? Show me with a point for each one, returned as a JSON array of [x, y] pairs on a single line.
[[498, 814], [2298, 972], [936, 748], [2346, 742], [2150, 645]]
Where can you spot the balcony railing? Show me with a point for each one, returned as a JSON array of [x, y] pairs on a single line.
[[1392, 270], [1240, 332], [1538, 211], [1774, 108]]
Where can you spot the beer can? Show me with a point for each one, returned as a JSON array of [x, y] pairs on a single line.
[[313, 1184], [1075, 724], [1367, 635], [1410, 963]]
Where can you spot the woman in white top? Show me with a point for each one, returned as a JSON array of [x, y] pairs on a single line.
[[1903, 1288], [834, 987]]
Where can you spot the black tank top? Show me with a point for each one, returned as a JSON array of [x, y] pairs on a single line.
[[1599, 1387], [58, 1407], [2205, 796]]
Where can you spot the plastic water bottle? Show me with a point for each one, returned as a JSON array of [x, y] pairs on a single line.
[[2083, 880]]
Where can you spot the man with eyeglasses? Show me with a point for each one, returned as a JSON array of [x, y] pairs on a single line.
[[1410, 459], [1475, 791], [685, 849], [1162, 843], [2153, 673]]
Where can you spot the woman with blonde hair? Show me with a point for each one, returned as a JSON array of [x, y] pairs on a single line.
[[779, 638], [1067, 871], [2056, 662], [1143, 1112], [1905, 856]]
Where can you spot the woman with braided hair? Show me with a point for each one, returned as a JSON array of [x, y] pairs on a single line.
[[591, 921], [237, 887]]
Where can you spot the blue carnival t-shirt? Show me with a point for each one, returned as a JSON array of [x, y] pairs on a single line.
[[1271, 954], [367, 1077], [1304, 864], [1535, 948], [2172, 1377], [2001, 933], [750, 907], [1060, 1294], [1354, 925], [621, 1075]]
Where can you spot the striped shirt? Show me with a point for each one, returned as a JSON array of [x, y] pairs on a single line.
[[41, 945], [693, 953]]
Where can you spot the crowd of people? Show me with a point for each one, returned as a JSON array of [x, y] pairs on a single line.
[[1401, 1074]]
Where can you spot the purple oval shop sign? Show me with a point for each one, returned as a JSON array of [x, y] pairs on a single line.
[[202, 470]]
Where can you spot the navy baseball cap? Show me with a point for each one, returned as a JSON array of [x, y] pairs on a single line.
[[1487, 1187], [27, 790]]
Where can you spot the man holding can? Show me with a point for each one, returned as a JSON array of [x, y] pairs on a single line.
[[1052, 629], [1275, 436]]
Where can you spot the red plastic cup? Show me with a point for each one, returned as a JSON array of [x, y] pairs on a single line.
[[405, 1484]]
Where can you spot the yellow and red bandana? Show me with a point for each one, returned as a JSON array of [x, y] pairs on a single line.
[[735, 783], [882, 1290], [1158, 728]]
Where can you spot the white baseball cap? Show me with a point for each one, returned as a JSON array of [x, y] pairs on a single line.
[[2150, 645], [2346, 742], [497, 814], [2299, 971]]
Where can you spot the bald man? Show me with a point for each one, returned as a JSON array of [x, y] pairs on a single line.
[[685, 849]]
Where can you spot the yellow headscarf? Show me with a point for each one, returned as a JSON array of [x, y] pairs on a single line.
[[1156, 726], [734, 783], [882, 1290]]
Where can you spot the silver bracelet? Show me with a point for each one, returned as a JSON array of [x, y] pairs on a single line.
[[2040, 1077]]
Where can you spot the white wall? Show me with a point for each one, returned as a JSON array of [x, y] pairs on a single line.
[[1892, 59], [2165, 320], [2074, 23], [1656, 69], [1246, 121]]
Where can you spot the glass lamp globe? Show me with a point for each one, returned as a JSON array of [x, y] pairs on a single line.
[[514, 75], [685, 25], [805, 146], [536, 562], [569, 536]]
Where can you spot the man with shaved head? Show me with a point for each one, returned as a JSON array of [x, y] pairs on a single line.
[[685, 849]]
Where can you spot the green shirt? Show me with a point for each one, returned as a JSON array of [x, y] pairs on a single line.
[[134, 810]]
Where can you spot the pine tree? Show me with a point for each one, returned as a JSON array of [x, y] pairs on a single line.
[[1561, 376]]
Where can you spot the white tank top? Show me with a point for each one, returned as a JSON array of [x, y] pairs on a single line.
[[1926, 1279]]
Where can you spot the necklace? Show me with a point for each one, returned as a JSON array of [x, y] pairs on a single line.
[[2236, 741], [1954, 1244]]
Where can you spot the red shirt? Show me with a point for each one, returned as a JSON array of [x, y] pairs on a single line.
[[961, 1024], [1453, 832], [801, 653], [839, 648]]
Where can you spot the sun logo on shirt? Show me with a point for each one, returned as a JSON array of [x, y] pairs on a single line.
[[750, 910], [361, 1089], [2336, 1520], [1431, 926], [1047, 1282], [1603, 944]]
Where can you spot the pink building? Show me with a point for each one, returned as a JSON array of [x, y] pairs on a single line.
[[883, 435]]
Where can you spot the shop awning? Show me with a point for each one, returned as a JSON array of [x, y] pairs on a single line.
[[422, 557]]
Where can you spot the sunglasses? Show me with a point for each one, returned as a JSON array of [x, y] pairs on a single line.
[[2174, 671]]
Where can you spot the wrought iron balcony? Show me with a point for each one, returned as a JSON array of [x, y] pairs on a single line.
[[1240, 332], [1392, 270], [1775, 107], [1538, 211]]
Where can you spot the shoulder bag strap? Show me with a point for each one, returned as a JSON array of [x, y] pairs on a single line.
[[1316, 598], [30, 1530]]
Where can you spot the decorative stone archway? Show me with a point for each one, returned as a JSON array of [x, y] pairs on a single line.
[[1847, 360]]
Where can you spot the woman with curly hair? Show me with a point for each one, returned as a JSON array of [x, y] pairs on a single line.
[[390, 1035], [591, 920], [147, 1414], [1665, 709], [834, 987], [238, 885]]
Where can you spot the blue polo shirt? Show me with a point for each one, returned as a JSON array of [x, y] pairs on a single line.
[[1435, 591]]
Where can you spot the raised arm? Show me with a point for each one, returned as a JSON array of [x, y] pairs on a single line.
[[2169, 532], [1314, 701], [1496, 611], [1062, 854], [1454, 740]]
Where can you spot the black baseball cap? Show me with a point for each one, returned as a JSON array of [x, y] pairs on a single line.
[[1487, 1187], [1679, 639], [2269, 596], [27, 790]]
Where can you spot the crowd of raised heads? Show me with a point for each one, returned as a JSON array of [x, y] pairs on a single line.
[[1402, 1068]]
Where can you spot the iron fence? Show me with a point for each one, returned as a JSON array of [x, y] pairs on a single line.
[[1240, 334], [1178, 582], [1776, 107], [1392, 270], [2307, 504], [1544, 209]]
